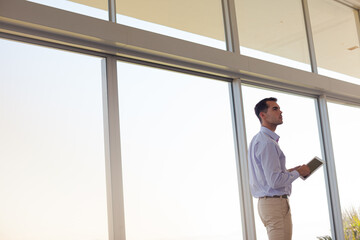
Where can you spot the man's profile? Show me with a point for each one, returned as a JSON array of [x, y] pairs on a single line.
[[269, 179]]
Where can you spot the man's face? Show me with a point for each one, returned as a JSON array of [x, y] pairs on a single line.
[[273, 116]]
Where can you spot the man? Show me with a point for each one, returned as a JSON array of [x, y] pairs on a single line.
[[270, 181]]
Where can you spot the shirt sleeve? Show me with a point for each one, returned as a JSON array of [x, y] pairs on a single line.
[[275, 176]]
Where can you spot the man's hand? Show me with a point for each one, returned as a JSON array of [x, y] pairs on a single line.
[[295, 168], [304, 170]]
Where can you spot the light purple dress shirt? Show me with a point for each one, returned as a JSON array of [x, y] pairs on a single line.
[[267, 172]]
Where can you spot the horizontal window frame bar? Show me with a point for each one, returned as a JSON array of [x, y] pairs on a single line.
[[103, 55], [102, 38]]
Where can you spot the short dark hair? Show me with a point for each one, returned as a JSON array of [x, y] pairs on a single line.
[[262, 106]]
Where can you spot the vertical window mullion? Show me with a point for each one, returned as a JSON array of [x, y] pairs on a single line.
[[230, 24], [112, 10], [309, 36], [112, 151], [246, 202], [330, 173]]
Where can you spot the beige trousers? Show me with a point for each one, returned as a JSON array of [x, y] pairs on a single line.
[[276, 215]]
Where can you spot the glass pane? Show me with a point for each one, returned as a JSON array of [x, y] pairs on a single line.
[[335, 31], [180, 178], [97, 9], [198, 21], [344, 121], [273, 31], [299, 140], [52, 167]]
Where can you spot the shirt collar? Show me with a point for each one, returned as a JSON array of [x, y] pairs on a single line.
[[271, 134]]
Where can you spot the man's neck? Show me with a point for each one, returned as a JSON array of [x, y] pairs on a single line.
[[270, 127]]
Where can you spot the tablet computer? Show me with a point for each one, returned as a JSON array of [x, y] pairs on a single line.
[[314, 165]]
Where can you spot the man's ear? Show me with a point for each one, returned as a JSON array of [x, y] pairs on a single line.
[[262, 115]]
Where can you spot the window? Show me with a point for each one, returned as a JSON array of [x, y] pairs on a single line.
[[344, 131], [273, 31], [299, 140], [198, 21], [97, 9], [52, 166], [180, 178], [335, 31]]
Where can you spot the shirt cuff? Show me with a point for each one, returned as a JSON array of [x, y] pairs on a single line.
[[296, 174]]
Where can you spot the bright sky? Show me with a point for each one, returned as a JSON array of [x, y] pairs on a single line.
[[177, 148]]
